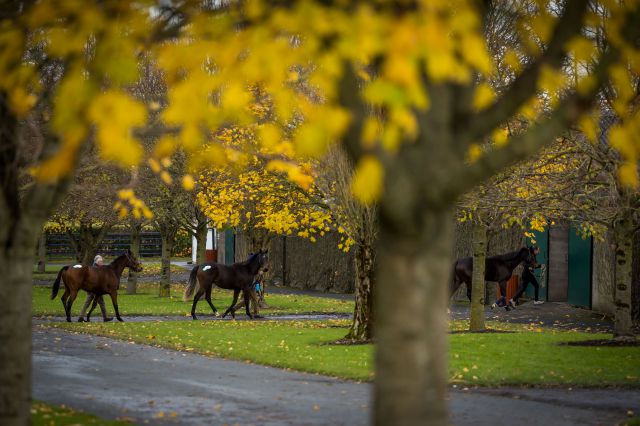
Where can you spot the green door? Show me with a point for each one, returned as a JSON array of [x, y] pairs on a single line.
[[579, 292], [229, 246], [542, 241]]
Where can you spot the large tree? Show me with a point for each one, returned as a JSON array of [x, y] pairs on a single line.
[[86, 214], [357, 221], [425, 65]]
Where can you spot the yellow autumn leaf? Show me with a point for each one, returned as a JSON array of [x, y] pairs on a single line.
[[500, 137], [367, 181], [166, 177], [115, 115], [188, 183], [628, 174], [483, 97], [582, 48], [474, 153]]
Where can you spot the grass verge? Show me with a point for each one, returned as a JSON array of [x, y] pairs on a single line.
[[527, 356], [46, 415], [147, 302]]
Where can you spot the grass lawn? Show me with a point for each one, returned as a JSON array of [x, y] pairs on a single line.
[[528, 356], [146, 302], [45, 415]]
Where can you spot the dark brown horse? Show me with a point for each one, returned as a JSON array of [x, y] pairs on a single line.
[[98, 280], [496, 268], [237, 277]]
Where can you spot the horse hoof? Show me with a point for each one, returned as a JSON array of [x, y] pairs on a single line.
[[216, 314], [109, 319], [120, 319], [81, 319], [194, 318]]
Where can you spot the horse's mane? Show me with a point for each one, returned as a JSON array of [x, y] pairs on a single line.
[[250, 259], [113, 262], [509, 256]]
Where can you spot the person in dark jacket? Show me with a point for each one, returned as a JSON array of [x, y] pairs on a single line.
[[528, 278]]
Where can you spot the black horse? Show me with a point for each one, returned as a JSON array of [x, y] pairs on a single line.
[[237, 277], [496, 268]]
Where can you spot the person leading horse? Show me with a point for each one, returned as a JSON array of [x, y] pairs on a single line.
[[497, 268]]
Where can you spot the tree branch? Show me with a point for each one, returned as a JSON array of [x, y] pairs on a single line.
[[525, 85]]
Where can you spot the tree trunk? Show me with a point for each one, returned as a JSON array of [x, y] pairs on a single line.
[[42, 252], [87, 243], [136, 236], [477, 281], [16, 263], [635, 291], [623, 327], [411, 321], [165, 274], [21, 216], [201, 238], [362, 325]]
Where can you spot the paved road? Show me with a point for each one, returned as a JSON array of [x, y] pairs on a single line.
[[113, 379]]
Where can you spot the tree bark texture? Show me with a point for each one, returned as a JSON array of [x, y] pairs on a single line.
[[88, 240], [362, 324], [477, 280], [136, 237], [635, 293], [16, 263], [623, 326], [201, 239], [411, 322], [168, 238], [42, 252]]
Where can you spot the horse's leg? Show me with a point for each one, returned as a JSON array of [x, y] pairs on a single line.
[[64, 298], [70, 299], [93, 306], [503, 294], [238, 306], [236, 292], [207, 296], [195, 302], [246, 297], [114, 300]]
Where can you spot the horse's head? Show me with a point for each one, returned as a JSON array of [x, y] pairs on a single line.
[[529, 257], [132, 261], [263, 261]]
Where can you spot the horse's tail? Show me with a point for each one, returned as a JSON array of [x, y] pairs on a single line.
[[192, 283], [56, 283]]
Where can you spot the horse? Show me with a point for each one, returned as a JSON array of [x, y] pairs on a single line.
[[93, 279], [496, 268], [237, 277]]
